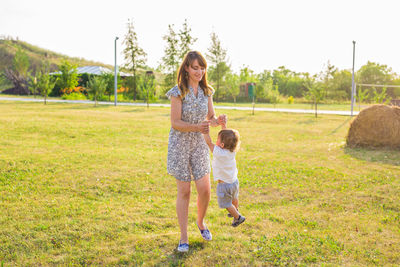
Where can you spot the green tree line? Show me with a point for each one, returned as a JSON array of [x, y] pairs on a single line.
[[271, 86]]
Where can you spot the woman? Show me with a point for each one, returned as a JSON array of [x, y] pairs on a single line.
[[192, 112]]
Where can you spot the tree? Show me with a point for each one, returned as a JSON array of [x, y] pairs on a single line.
[[374, 73], [233, 85], [147, 86], [178, 44], [46, 83], [265, 85], [18, 73], [4, 82], [109, 80], [362, 97], [135, 56], [33, 85], [340, 85], [316, 92], [327, 76], [380, 97], [170, 61], [273, 96], [69, 77], [247, 75], [21, 62], [186, 40], [97, 86], [290, 83], [217, 56]]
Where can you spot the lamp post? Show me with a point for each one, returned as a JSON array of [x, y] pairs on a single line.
[[353, 90], [115, 71]]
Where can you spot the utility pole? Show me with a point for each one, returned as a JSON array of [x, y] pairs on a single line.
[[353, 89], [115, 71]]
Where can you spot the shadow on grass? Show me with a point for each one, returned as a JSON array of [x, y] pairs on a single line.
[[136, 110], [238, 119], [378, 155], [79, 106], [176, 258], [340, 126], [309, 121]]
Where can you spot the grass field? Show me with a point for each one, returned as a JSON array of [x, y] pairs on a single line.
[[88, 186]]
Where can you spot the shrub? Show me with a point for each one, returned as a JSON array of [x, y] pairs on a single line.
[[78, 89], [74, 96]]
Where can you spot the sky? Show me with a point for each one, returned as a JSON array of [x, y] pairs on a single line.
[[259, 34]]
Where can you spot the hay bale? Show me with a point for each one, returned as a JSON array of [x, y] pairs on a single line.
[[376, 126]]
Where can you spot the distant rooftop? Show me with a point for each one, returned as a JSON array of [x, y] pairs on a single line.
[[95, 70]]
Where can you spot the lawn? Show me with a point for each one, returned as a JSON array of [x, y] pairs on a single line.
[[81, 185]]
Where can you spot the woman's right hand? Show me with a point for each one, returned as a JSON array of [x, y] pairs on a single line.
[[204, 127]]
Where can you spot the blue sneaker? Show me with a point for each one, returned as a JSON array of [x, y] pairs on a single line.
[[206, 234], [183, 247]]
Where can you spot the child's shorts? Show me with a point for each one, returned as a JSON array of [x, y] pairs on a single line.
[[226, 193]]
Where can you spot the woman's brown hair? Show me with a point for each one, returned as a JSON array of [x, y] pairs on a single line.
[[230, 138], [183, 78]]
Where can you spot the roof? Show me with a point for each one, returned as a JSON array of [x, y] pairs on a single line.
[[95, 70]]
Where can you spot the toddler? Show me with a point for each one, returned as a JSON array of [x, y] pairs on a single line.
[[225, 171]]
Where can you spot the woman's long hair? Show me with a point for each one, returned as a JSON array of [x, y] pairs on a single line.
[[183, 75]]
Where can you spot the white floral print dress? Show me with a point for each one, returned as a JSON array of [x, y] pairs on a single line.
[[188, 156]]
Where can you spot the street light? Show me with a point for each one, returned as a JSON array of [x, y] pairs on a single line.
[[115, 71], [353, 90]]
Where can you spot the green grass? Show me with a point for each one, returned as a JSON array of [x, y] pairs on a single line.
[[88, 186]]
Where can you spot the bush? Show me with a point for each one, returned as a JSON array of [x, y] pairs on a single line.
[[290, 100], [74, 96]]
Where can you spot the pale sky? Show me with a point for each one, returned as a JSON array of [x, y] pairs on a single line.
[[263, 35]]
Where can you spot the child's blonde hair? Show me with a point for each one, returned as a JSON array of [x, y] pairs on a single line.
[[230, 138]]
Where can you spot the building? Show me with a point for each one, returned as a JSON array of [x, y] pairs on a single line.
[[95, 70]]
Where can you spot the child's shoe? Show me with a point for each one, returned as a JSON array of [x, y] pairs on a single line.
[[240, 220]]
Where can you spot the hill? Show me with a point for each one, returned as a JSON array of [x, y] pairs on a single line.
[[37, 56]]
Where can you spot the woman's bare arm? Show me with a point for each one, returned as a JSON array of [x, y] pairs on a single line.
[[214, 121], [178, 124], [211, 113]]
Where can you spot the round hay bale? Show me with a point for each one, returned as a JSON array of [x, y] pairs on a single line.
[[375, 126]]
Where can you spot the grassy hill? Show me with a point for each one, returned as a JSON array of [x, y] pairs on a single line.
[[37, 56]]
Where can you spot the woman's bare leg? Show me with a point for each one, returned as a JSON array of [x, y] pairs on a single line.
[[182, 208], [203, 187]]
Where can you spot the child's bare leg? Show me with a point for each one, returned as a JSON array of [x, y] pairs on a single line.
[[233, 211], [235, 203]]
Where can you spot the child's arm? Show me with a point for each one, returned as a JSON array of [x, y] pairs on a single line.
[[223, 126], [209, 142]]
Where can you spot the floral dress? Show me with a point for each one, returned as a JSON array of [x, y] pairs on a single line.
[[188, 156]]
